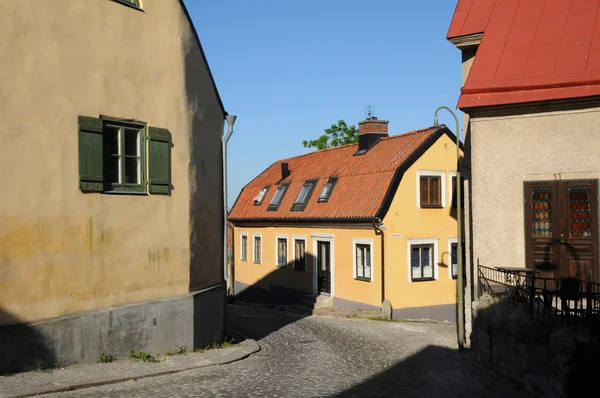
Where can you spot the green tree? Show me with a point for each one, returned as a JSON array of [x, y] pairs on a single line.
[[337, 135]]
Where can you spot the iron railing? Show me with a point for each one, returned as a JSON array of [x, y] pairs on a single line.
[[575, 302]]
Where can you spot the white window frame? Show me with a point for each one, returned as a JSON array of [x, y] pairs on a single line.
[[362, 241], [431, 173], [257, 235], [294, 239], [452, 241], [241, 246], [435, 259], [287, 249]]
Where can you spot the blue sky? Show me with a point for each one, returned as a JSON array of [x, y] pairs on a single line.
[[290, 68]]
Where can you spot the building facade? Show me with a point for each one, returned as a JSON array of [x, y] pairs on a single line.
[[358, 224], [530, 84], [109, 233]]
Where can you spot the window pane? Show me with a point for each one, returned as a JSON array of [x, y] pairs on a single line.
[[111, 155], [325, 191], [368, 272], [277, 196], [426, 262], [132, 170], [415, 262], [424, 191], [360, 272], [302, 194], [244, 247], [435, 188], [132, 142]]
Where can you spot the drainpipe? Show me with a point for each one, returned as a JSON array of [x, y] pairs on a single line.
[[377, 225], [230, 122]]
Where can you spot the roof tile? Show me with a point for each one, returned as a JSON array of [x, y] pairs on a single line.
[[359, 192]]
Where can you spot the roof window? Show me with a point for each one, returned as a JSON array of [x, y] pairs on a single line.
[[258, 199], [278, 197], [327, 189], [304, 195]]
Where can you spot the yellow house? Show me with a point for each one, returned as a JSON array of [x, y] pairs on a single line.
[[354, 226], [111, 162]]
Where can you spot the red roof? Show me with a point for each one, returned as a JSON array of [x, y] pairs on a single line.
[[531, 50], [360, 190]]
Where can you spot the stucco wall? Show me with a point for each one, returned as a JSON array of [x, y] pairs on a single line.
[[506, 152], [344, 285], [405, 220], [62, 251]]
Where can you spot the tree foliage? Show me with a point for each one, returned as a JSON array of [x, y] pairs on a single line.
[[337, 135]]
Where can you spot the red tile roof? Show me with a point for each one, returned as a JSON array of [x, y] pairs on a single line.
[[531, 50], [360, 190]]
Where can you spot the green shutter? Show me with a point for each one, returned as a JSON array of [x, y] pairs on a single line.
[[159, 161], [90, 154]]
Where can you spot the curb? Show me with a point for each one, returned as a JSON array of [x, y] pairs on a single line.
[[264, 349], [255, 347]]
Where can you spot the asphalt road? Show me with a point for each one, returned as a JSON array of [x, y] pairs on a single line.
[[329, 357]]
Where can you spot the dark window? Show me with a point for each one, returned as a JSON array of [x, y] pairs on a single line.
[[277, 197], [462, 192], [113, 153], [327, 189], [244, 248], [281, 252], [300, 255], [421, 262], [257, 249], [303, 196], [454, 260], [132, 3], [363, 262], [431, 191]]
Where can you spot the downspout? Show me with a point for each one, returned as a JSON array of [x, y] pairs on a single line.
[[230, 121], [376, 223]]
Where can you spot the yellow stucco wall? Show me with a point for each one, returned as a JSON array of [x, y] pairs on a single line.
[[62, 251], [344, 285], [406, 221]]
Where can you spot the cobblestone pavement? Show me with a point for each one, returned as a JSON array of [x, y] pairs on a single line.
[[325, 356]]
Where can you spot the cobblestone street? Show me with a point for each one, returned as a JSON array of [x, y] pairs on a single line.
[[325, 356]]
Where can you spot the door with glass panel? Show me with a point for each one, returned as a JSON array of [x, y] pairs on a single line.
[[561, 226], [324, 267]]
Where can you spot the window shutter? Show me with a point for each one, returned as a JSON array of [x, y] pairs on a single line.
[[159, 161], [91, 152]]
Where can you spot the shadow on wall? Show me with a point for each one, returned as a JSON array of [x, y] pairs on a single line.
[[283, 286], [22, 347]]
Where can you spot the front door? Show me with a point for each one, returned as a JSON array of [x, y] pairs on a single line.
[[324, 267], [561, 226]]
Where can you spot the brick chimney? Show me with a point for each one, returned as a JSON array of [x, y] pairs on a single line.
[[370, 131]]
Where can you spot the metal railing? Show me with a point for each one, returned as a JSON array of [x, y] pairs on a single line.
[[575, 302]]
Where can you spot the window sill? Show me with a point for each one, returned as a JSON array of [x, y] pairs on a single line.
[[362, 279], [423, 280], [125, 193], [244, 259], [256, 262], [281, 266], [432, 207]]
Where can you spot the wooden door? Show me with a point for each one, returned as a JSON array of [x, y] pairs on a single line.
[[324, 267], [561, 227]]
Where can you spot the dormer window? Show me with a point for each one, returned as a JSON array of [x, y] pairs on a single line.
[[261, 195], [327, 188], [303, 196], [278, 197]]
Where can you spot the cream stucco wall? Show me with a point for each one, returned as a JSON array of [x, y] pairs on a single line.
[[506, 152], [62, 251], [406, 221]]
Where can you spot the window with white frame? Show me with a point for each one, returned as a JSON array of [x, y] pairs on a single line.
[[454, 258], [257, 248], [244, 247], [282, 249], [422, 260], [363, 259], [431, 189]]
